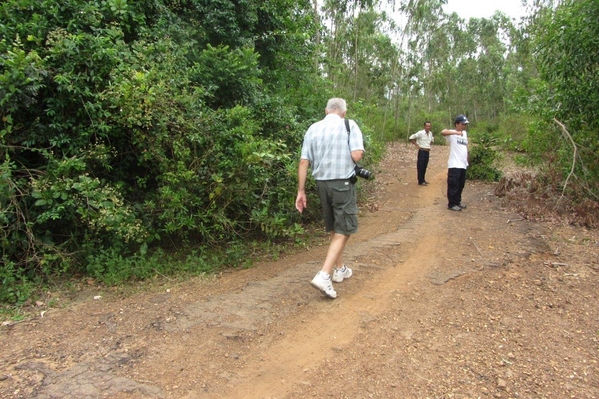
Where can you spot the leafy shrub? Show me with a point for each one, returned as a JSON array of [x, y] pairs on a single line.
[[482, 158], [111, 267], [512, 132], [127, 129], [16, 286]]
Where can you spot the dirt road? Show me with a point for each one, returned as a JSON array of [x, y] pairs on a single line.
[[473, 304]]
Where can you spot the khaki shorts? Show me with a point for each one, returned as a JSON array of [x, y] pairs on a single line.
[[338, 199]]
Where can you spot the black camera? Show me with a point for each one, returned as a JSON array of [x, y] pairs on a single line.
[[363, 173]]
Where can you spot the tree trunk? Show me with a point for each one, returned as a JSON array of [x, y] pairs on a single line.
[[317, 38]]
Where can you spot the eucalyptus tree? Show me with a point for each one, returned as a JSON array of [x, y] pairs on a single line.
[[424, 29], [487, 81], [370, 57], [360, 57], [423, 19], [352, 29], [448, 48]]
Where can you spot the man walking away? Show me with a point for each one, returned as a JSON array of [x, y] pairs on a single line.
[[332, 153]]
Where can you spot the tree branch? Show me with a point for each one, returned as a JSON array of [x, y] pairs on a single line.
[[567, 134]]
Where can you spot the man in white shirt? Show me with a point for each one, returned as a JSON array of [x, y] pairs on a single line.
[[457, 163], [422, 140]]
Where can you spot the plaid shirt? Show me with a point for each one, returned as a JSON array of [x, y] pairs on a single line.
[[326, 147]]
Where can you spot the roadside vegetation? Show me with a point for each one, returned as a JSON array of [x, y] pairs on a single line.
[[161, 138]]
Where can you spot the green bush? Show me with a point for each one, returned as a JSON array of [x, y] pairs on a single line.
[[111, 267], [130, 131], [512, 132], [482, 158], [16, 284], [128, 127], [567, 91]]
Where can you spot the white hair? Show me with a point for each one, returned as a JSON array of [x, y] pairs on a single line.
[[337, 105]]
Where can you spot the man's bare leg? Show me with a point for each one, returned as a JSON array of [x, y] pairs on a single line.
[[335, 252]]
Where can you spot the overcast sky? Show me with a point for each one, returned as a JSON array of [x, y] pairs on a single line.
[[485, 8]]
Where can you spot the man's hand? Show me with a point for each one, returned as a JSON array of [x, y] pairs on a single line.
[[301, 202]]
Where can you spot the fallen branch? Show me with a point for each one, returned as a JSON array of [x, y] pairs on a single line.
[[477, 248], [565, 131], [162, 275], [13, 322]]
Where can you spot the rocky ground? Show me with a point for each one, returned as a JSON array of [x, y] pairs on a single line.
[[482, 303]]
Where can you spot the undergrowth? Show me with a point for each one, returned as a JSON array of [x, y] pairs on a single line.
[[540, 197]]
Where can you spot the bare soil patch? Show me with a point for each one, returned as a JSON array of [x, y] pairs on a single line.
[[481, 303]]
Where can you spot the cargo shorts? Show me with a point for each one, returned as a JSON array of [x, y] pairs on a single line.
[[339, 208]]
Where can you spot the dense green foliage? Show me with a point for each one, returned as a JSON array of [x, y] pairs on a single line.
[[566, 95], [142, 138], [129, 126]]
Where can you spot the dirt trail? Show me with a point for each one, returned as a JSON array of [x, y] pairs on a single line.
[[442, 304], [382, 265]]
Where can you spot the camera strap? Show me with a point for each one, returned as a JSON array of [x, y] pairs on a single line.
[[348, 129], [348, 133], [352, 179]]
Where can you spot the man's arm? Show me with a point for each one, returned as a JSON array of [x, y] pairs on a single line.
[[357, 141], [449, 132], [302, 174], [413, 139]]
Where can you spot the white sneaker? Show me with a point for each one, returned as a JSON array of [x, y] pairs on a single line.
[[324, 285], [340, 274]]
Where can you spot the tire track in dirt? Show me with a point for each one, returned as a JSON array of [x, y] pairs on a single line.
[[383, 264], [261, 328]]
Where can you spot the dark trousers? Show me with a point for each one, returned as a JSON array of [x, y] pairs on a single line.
[[422, 164], [456, 179]]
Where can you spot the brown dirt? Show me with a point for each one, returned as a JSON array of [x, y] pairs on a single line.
[[473, 304]]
